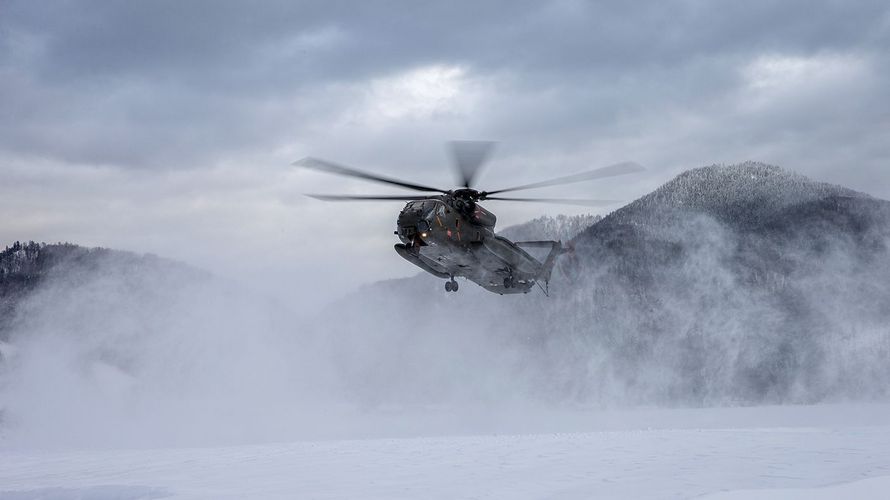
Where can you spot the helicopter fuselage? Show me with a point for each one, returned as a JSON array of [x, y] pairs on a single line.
[[451, 236]]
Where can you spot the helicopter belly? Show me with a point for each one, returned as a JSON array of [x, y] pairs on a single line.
[[456, 261], [518, 259], [422, 262], [487, 265]]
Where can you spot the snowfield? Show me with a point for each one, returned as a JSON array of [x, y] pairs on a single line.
[[826, 451]]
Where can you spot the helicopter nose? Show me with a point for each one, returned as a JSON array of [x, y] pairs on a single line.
[[414, 231]]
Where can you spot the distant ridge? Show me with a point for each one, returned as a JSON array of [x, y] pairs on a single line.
[[559, 228], [25, 267], [740, 194], [761, 209]]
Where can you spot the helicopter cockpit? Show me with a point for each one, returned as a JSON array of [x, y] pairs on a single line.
[[417, 218], [425, 210]]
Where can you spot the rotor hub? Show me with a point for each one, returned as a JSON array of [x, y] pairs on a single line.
[[468, 194]]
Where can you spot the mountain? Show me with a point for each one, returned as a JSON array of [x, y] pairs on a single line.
[[560, 228], [740, 195], [747, 283], [26, 268], [104, 346], [770, 221]]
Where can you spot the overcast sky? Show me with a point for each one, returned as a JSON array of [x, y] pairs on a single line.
[[169, 126]]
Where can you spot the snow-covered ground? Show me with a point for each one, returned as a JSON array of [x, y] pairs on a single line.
[[826, 451]]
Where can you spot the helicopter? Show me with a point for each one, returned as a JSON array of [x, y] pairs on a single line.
[[449, 234]]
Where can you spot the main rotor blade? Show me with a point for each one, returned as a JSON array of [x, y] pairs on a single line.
[[563, 201], [468, 157], [333, 168], [347, 197], [627, 167]]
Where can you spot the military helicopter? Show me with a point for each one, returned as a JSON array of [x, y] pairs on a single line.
[[449, 234]]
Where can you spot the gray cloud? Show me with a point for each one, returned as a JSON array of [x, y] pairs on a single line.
[[157, 81]]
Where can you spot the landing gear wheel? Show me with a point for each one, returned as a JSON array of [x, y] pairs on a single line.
[[448, 286], [454, 286], [508, 282]]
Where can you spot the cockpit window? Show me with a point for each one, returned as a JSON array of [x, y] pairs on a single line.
[[426, 208]]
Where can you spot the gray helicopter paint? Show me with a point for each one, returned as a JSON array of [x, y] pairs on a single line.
[[448, 237]]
